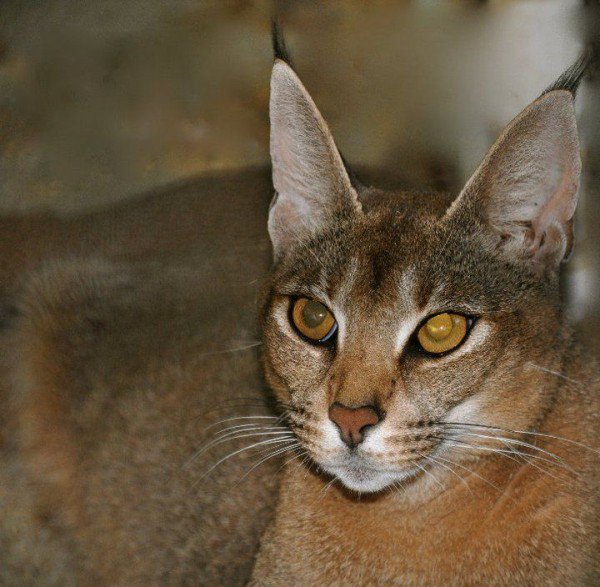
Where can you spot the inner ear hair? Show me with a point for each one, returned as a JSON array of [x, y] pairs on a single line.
[[525, 190], [311, 182]]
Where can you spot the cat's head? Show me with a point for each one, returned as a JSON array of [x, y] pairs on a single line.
[[391, 316]]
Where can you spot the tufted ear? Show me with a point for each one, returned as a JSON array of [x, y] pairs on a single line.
[[525, 190], [312, 186]]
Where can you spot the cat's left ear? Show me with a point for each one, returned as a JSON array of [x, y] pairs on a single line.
[[313, 189], [525, 190]]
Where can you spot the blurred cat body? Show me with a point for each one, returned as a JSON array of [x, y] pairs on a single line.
[[126, 334]]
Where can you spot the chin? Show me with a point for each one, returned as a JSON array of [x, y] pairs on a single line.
[[366, 480]]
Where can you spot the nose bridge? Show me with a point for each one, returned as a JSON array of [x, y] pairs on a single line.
[[364, 374]]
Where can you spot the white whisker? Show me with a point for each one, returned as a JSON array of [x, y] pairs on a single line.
[[471, 472], [245, 448], [231, 350], [270, 456], [551, 372], [505, 440], [245, 428], [242, 418], [326, 488], [527, 458], [398, 485], [301, 453], [435, 461], [242, 434], [426, 472], [511, 454], [524, 433]]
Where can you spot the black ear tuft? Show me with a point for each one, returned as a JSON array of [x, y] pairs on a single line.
[[570, 79], [280, 50]]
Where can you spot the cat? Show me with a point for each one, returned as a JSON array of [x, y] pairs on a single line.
[[448, 424], [131, 392]]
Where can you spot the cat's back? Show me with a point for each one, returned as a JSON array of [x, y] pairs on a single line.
[[126, 332]]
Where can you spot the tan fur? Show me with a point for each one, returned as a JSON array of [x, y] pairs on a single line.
[[526, 529]]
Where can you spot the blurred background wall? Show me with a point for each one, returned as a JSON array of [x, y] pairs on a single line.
[[103, 99]]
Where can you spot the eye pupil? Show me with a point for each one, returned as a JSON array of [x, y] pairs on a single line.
[[442, 332], [313, 320], [439, 327], [314, 313]]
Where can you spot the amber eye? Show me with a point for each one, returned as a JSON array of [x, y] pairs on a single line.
[[313, 319], [442, 333]]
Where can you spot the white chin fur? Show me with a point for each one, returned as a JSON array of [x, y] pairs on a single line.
[[365, 480]]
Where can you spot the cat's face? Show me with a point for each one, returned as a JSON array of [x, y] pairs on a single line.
[[359, 275]]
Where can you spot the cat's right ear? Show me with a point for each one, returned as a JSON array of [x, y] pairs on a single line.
[[313, 189], [524, 192]]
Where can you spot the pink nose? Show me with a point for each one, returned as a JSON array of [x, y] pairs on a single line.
[[352, 422]]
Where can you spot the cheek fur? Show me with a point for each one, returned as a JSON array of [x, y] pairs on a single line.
[[301, 366]]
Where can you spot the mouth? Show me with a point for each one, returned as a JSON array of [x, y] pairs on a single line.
[[359, 476], [367, 468]]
